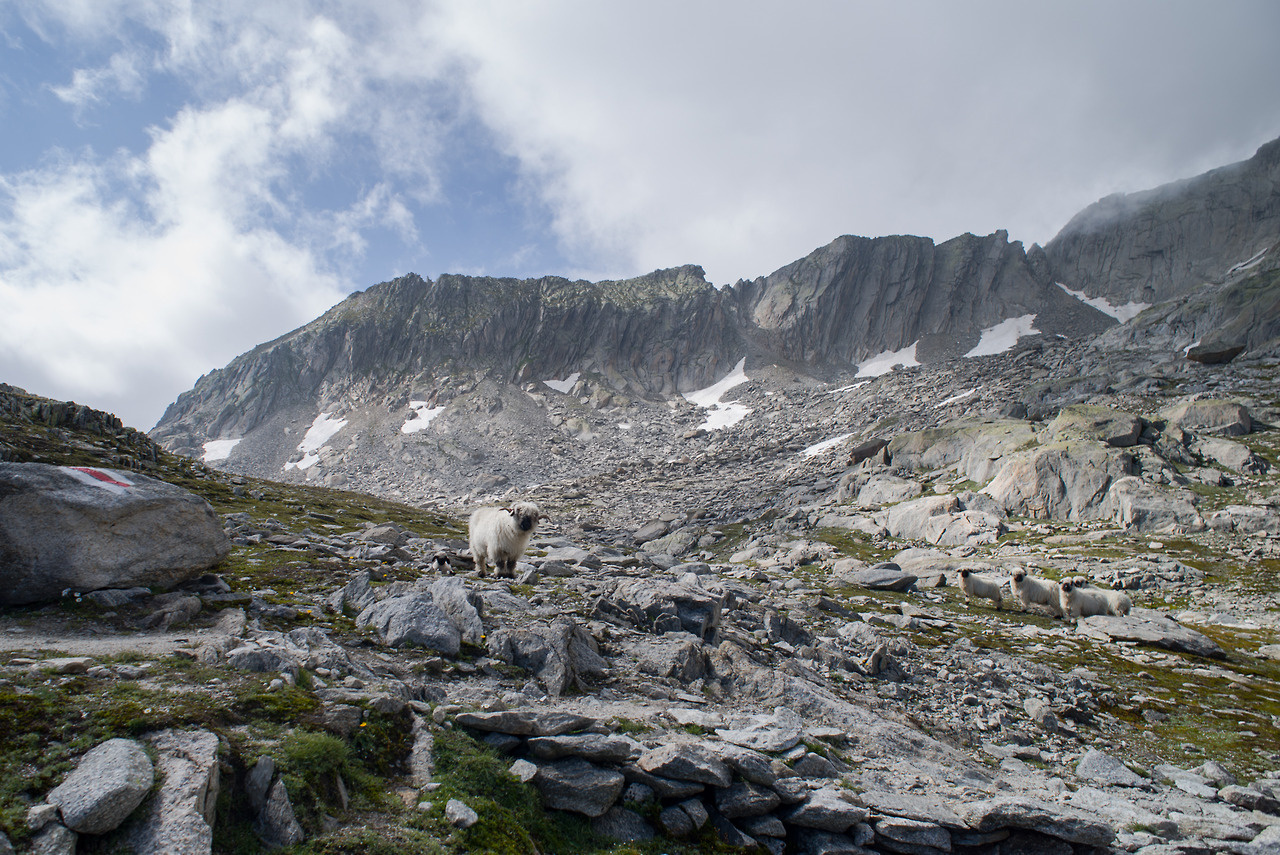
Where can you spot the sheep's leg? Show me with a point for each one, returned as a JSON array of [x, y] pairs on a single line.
[[480, 566]]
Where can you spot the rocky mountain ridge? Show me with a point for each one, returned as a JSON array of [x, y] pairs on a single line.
[[463, 384]]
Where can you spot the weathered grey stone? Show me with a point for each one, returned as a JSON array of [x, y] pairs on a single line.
[[675, 822], [1064, 480], [257, 784], [1112, 427], [1225, 418], [525, 722], [560, 655], [1034, 815], [54, 839], [524, 770], [354, 597], [816, 842], [578, 786], [1249, 799], [1232, 455], [792, 791], [665, 606], [885, 576], [276, 824], [976, 446], [910, 806], [746, 799], [412, 619], [826, 810], [731, 835], [686, 762], [1148, 627], [464, 607], [180, 821], [681, 655], [887, 489], [106, 786], [813, 765], [773, 733], [763, 826], [459, 814], [85, 528], [749, 765], [596, 747], [913, 833], [1141, 506], [1105, 770], [667, 788], [622, 824]]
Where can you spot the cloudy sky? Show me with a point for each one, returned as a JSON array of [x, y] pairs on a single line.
[[180, 181]]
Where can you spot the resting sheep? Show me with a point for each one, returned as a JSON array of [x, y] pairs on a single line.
[[1078, 600], [1030, 590], [500, 536], [974, 585]]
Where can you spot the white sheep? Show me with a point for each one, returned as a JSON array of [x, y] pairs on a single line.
[[500, 535], [1078, 600], [984, 587], [1029, 590]]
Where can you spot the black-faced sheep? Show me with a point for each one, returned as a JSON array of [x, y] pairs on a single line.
[[983, 587], [1030, 590], [1077, 600], [500, 536]]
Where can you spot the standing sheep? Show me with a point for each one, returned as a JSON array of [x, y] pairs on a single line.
[[1078, 601], [1028, 590], [974, 585], [500, 536]]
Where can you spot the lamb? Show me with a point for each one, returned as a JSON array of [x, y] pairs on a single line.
[[1028, 590], [986, 588], [1077, 600], [501, 535]]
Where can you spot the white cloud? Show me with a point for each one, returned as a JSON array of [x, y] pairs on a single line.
[[741, 137], [89, 86]]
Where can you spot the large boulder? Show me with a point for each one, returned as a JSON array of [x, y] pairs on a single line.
[[941, 520], [110, 781], [977, 447], [82, 529], [1141, 506], [664, 606], [1063, 480], [560, 655], [1149, 627], [413, 619], [1112, 427], [181, 817], [1225, 418]]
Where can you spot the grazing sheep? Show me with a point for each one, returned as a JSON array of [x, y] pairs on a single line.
[[440, 563], [986, 588], [500, 535], [1028, 590], [1078, 600]]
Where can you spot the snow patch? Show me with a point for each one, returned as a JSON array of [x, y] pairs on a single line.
[[826, 445], [954, 398], [1187, 349], [1004, 335], [1123, 314], [721, 415], [884, 363], [219, 449], [1245, 265], [422, 416], [842, 388], [563, 386], [320, 432]]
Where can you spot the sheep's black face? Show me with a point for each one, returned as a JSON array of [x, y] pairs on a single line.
[[526, 522], [1066, 587], [1018, 576], [964, 573]]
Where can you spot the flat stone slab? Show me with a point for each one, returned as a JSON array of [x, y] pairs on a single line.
[[826, 810], [578, 786], [778, 732], [911, 806], [1034, 815], [525, 722], [883, 577], [596, 747], [1148, 627], [686, 762]]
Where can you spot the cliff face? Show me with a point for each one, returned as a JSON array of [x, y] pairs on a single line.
[[475, 345], [857, 297], [1159, 244]]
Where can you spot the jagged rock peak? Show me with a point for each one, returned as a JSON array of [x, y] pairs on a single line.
[[1158, 244]]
